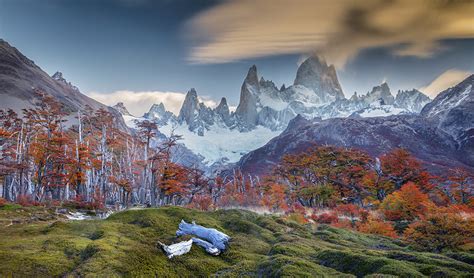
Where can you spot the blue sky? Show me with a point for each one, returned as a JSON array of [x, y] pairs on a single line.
[[104, 46]]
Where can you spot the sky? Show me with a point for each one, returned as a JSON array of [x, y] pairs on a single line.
[[146, 51]]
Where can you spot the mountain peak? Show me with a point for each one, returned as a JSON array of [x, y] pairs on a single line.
[[315, 74], [223, 102], [412, 100], [190, 105], [223, 111], [192, 93], [247, 108], [380, 92], [158, 108], [58, 76], [252, 76], [121, 108]]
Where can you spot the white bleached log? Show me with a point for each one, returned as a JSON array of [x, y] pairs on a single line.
[[218, 239], [177, 249], [211, 249]]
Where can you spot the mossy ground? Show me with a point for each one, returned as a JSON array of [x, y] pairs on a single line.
[[125, 245]]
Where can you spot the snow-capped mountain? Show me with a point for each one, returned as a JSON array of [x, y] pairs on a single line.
[[441, 136], [412, 101], [264, 111], [453, 112]]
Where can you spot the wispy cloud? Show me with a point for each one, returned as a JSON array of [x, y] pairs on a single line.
[[444, 81], [138, 103], [240, 29]]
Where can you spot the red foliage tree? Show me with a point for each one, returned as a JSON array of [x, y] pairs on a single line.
[[400, 167]]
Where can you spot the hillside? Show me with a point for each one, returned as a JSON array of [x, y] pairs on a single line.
[[125, 245], [20, 76]]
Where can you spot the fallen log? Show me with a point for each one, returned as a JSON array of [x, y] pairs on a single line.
[[176, 249], [218, 239], [211, 249]]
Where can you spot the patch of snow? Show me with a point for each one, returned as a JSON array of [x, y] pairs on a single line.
[[130, 120], [381, 111], [276, 104], [78, 216]]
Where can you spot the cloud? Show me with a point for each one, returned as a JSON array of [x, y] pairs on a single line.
[[138, 103], [444, 81], [339, 30]]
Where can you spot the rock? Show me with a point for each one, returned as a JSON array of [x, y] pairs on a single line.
[[246, 111]]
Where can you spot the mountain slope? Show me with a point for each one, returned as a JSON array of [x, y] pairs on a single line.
[[453, 111], [19, 76]]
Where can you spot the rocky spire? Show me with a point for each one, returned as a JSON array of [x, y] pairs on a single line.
[[252, 77], [190, 105], [223, 110], [121, 108], [354, 97], [247, 109], [58, 76], [381, 92], [315, 74]]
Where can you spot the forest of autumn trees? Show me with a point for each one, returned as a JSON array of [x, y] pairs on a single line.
[[44, 160]]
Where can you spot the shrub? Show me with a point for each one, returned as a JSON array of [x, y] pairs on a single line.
[[26, 201], [3, 202], [79, 203], [377, 227], [325, 218], [351, 212], [201, 202], [440, 231], [296, 217]]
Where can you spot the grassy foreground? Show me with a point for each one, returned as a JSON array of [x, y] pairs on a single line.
[[125, 245]]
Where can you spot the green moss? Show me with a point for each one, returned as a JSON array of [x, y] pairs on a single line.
[[261, 245], [7, 207]]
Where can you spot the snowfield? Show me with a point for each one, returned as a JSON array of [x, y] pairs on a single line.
[[221, 144]]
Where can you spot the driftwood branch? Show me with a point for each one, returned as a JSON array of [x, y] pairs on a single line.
[[176, 249], [211, 249], [218, 239]]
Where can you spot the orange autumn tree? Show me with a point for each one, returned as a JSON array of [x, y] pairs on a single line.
[[440, 230], [49, 145], [11, 162], [324, 175], [407, 204], [400, 167], [240, 191], [274, 195]]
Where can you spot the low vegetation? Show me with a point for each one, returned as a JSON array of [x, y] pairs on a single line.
[[261, 245]]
